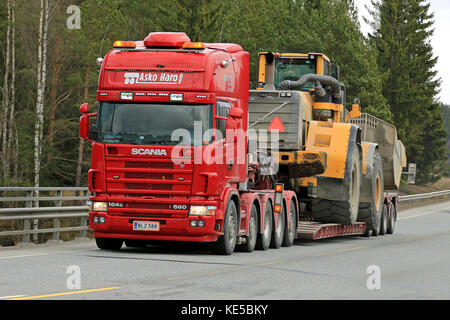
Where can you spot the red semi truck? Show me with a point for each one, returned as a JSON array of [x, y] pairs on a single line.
[[173, 158]]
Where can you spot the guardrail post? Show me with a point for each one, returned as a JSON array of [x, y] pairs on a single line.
[[83, 224], [27, 222], [57, 221]]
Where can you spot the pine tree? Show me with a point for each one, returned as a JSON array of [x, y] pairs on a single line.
[[402, 36]]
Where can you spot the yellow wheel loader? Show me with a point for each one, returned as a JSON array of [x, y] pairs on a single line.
[[343, 165]]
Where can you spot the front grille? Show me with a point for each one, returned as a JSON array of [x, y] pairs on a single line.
[[150, 185]]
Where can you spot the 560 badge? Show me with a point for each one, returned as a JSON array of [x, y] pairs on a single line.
[[179, 206]]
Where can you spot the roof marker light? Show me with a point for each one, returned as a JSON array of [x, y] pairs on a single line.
[[124, 44], [193, 45]]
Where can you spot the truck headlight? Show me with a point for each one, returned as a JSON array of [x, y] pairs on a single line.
[[202, 210], [99, 206]]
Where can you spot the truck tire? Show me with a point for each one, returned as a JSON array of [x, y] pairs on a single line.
[[227, 242], [392, 218], [250, 240], [384, 221], [342, 212], [278, 232], [370, 212], [263, 238], [108, 244], [131, 243], [291, 230]]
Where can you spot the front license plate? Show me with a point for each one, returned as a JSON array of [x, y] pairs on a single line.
[[146, 225]]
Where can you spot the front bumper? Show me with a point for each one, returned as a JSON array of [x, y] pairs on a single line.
[[171, 229]]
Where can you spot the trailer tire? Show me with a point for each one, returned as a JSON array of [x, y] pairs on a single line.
[[108, 243], [392, 218], [264, 237], [250, 240], [342, 212], [226, 243], [370, 213], [278, 231], [291, 230], [383, 221]]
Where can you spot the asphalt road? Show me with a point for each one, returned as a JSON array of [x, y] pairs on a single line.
[[413, 263]]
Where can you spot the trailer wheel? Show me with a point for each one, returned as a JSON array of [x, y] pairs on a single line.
[[291, 230], [370, 212], [384, 221], [108, 244], [392, 218], [263, 238], [227, 242], [278, 234], [342, 212], [250, 241]]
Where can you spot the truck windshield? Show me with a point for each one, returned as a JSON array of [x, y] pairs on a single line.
[[150, 123], [293, 69]]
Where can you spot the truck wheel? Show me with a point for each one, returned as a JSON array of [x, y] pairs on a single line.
[[263, 238], [250, 240], [384, 221], [131, 243], [342, 212], [278, 234], [370, 213], [227, 242], [291, 230], [108, 244], [392, 218]]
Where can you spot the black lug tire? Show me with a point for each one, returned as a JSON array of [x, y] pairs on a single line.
[[291, 230], [392, 218], [342, 212], [370, 213], [131, 243], [384, 221], [108, 244], [226, 243], [263, 238], [278, 231], [250, 240]]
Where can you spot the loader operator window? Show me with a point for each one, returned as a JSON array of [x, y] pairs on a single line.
[[151, 123], [293, 69]]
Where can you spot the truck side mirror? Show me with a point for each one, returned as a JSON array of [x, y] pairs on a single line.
[[83, 129], [236, 113], [84, 108]]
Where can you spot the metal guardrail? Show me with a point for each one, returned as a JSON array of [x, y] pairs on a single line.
[[30, 214], [423, 196]]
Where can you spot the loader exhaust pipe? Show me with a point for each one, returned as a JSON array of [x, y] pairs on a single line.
[[319, 81]]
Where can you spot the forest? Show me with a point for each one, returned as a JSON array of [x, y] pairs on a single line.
[[48, 68]]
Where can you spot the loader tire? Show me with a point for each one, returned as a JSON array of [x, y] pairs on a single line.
[[342, 212], [370, 212]]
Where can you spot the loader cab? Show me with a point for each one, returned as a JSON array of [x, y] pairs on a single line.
[[277, 67]]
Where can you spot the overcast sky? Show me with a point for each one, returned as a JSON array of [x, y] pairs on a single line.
[[440, 39]]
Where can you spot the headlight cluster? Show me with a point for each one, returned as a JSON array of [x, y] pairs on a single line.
[[202, 210], [99, 206]]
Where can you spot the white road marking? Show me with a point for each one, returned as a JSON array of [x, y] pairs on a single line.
[[422, 214], [43, 254], [10, 297]]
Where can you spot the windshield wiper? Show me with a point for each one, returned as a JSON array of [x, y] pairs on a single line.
[[162, 142]]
